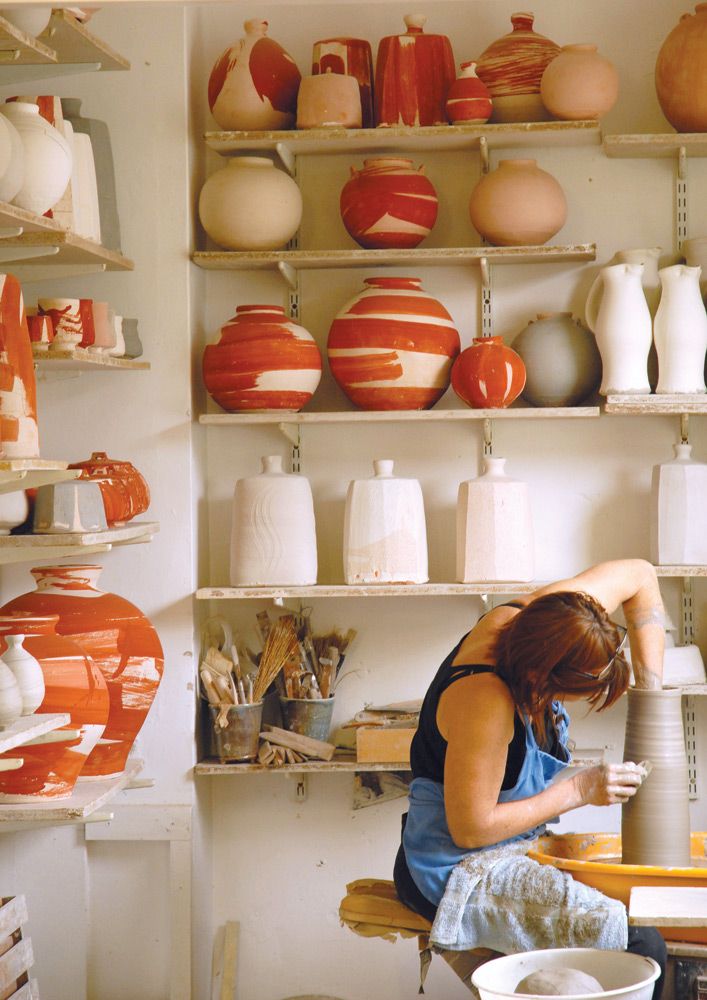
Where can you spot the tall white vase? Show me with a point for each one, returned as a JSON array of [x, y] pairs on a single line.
[[650, 280], [679, 511], [622, 326], [273, 538], [494, 527], [27, 671], [385, 536], [680, 331]]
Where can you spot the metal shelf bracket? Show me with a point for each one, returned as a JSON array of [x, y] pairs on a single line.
[[684, 428], [484, 153]]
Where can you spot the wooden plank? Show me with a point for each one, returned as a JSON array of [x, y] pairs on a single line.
[[384, 744], [26, 992], [15, 962], [87, 797], [74, 43], [224, 964], [652, 145], [656, 405], [81, 359], [686, 949], [17, 48], [29, 726], [72, 249], [13, 914], [401, 416], [302, 744], [382, 590], [114, 536], [668, 906], [681, 570]]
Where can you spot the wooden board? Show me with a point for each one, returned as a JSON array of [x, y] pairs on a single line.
[[401, 416], [74, 43], [13, 914], [26, 728], [668, 906], [14, 963], [384, 744]]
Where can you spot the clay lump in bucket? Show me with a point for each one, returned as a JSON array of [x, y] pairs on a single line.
[[559, 982]]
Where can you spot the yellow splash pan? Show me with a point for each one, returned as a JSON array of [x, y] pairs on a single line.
[[591, 858]]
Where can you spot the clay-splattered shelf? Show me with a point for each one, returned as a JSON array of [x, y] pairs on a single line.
[[54, 247], [399, 416], [656, 405], [382, 590], [29, 727], [340, 763], [74, 43], [681, 570], [27, 473], [652, 145], [17, 48], [27, 548], [80, 359]]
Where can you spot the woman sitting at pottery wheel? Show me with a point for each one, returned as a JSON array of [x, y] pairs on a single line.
[[492, 736]]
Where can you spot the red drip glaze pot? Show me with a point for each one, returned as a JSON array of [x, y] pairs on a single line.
[[488, 374], [414, 72]]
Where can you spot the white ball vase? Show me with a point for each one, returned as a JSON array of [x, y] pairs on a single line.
[[48, 159], [13, 173], [250, 205]]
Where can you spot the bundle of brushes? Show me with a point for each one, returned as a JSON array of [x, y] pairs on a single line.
[[321, 657]]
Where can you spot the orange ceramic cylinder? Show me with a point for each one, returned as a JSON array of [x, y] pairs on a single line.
[[488, 374], [389, 204], [518, 204], [681, 73], [125, 492]]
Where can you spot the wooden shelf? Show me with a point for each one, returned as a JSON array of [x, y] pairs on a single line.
[[655, 145], [656, 405], [372, 590], [52, 247], [27, 473], [681, 570], [74, 43], [82, 360], [29, 727], [87, 797], [343, 762], [17, 48], [398, 416], [401, 138], [27, 548]]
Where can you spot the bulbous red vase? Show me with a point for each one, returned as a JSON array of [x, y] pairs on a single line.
[[488, 374], [392, 346], [389, 204], [124, 490], [414, 72], [118, 637], [74, 684], [469, 99]]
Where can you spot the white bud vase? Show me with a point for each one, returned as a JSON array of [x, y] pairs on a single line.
[[623, 329], [385, 536], [680, 331], [273, 536], [494, 527], [678, 511], [10, 697], [27, 671]]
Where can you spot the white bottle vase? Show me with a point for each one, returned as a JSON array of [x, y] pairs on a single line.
[[622, 326], [494, 527], [385, 536], [680, 331], [273, 536], [678, 511], [10, 697], [27, 671]]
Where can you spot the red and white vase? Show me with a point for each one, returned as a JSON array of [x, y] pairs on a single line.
[[414, 72], [469, 99], [389, 204], [348, 57], [19, 432], [392, 346], [121, 642], [72, 683], [254, 83], [488, 374], [263, 361]]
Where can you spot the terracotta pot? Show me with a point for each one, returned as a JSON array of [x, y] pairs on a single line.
[[121, 641], [518, 204], [254, 83], [388, 204], [125, 492], [74, 684], [263, 361], [350, 57], [512, 67], [488, 374], [681, 73], [47, 158], [250, 205], [392, 346], [469, 99], [414, 72], [561, 358], [19, 432], [579, 84], [328, 99]]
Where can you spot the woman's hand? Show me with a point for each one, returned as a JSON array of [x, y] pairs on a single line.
[[609, 784]]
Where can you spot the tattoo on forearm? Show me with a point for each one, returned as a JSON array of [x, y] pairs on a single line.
[[650, 616]]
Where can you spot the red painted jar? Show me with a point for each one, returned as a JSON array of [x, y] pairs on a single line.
[[348, 57], [125, 492], [121, 641], [263, 361], [392, 346], [414, 72], [18, 388], [74, 684], [488, 374], [469, 99], [388, 204]]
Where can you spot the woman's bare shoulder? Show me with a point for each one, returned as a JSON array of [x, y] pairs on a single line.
[[478, 646], [485, 695]]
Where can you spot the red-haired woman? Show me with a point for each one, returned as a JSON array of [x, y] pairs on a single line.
[[492, 730]]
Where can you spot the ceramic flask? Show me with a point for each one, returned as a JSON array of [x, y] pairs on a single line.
[[655, 823], [385, 537], [273, 535], [349, 57], [681, 73], [623, 329], [494, 527], [680, 331], [678, 511], [27, 672]]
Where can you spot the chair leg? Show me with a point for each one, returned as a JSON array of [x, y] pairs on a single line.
[[464, 963]]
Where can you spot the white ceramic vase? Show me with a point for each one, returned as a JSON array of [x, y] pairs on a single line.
[[12, 160], [385, 536], [622, 327], [273, 536], [84, 189], [10, 697], [680, 331], [678, 511], [250, 205], [650, 280], [48, 161], [27, 671], [494, 527], [118, 350], [13, 510]]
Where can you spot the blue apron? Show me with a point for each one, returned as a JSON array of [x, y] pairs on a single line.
[[430, 852]]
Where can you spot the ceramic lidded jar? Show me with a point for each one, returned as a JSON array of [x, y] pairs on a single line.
[[385, 536], [328, 99], [414, 72], [250, 205], [349, 57], [579, 84], [488, 374], [389, 204], [561, 358], [119, 639], [494, 527], [254, 83], [681, 73], [680, 331], [19, 432], [74, 685], [273, 535], [469, 99], [678, 511], [512, 68], [47, 158], [125, 491], [392, 346], [517, 204], [263, 361]]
